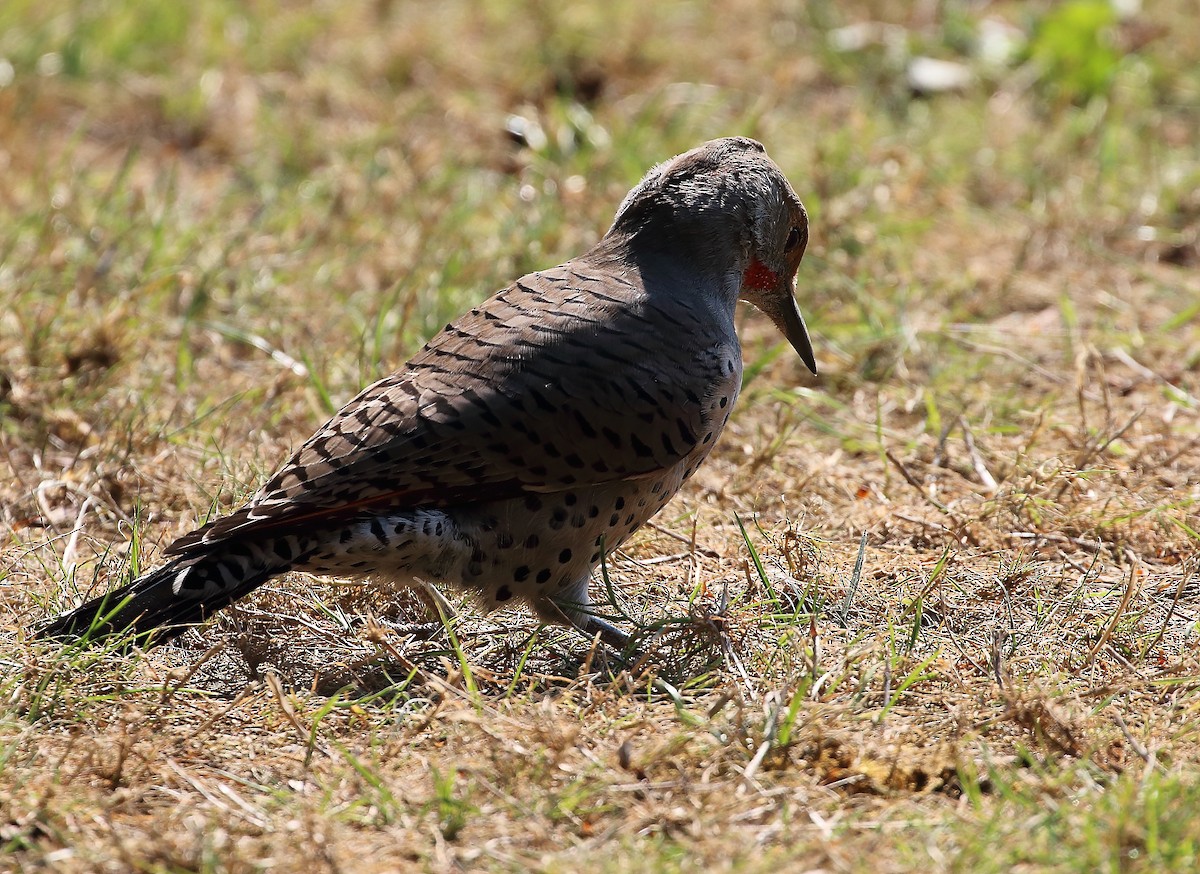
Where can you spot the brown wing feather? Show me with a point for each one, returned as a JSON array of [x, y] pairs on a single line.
[[564, 379]]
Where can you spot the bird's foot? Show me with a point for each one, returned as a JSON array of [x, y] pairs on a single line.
[[590, 626]]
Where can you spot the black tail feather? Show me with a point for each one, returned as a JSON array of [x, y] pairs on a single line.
[[149, 607]]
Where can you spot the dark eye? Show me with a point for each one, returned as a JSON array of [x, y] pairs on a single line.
[[793, 240]]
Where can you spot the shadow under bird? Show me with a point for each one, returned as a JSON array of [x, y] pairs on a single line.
[[533, 433]]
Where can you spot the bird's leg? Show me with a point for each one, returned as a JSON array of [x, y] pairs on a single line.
[[590, 625], [575, 611]]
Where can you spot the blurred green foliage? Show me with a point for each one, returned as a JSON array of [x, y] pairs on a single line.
[[1074, 45]]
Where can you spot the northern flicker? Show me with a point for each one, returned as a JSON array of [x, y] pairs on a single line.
[[534, 433]]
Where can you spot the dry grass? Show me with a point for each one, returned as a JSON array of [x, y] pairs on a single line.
[[958, 629]]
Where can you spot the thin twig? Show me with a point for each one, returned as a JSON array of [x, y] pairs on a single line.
[[981, 470], [1146, 373], [707, 553], [912, 481], [1088, 454], [1094, 545], [1170, 612], [1112, 624], [1142, 752]]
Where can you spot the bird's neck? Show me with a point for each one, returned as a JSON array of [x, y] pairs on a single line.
[[683, 287], [705, 260]]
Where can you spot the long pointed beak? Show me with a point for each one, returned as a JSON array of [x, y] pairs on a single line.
[[797, 332], [772, 293]]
